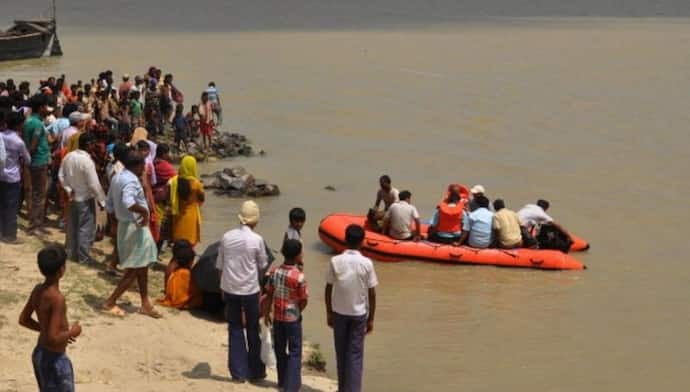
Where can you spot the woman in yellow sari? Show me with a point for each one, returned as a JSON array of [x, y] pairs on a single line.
[[186, 197]]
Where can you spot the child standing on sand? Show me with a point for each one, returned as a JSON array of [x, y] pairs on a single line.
[[52, 367], [287, 288]]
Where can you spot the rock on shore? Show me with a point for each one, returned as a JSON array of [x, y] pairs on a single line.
[[237, 182]]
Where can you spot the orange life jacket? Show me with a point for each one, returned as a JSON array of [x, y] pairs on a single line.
[[450, 217]]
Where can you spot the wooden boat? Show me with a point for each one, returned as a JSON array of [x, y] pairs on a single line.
[[30, 39], [383, 248]]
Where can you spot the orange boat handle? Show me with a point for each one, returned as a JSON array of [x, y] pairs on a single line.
[[372, 243], [536, 261]]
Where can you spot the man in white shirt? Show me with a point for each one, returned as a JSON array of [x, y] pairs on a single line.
[[78, 177], [241, 257], [399, 218], [350, 308]]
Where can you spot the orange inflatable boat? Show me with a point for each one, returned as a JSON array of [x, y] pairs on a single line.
[[383, 248]]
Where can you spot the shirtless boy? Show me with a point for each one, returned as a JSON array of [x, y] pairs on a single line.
[[52, 367]]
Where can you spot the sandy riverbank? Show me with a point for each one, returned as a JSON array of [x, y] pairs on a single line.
[[180, 352]]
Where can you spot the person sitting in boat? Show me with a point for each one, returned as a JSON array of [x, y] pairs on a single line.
[[399, 218], [506, 226], [477, 190], [446, 224], [533, 218], [386, 195], [477, 226]]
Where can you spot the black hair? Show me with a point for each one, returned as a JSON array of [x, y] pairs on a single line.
[[453, 198], [183, 253], [162, 149], [120, 152], [385, 178], [544, 204], [482, 201], [85, 139], [143, 145], [69, 109], [51, 259], [14, 120], [133, 159], [297, 214], [404, 195], [212, 84], [291, 249], [499, 204], [36, 102], [184, 188], [354, 235]]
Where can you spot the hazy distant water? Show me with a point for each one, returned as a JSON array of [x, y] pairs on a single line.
[[234, 15], [591, 114]]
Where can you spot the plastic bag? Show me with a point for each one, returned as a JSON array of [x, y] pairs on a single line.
[[268, 356]]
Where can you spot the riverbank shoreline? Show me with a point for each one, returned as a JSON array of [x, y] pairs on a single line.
[[180, 352]]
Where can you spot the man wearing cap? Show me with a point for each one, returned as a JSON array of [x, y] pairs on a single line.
[[476, 190], [76, 120], [36, 139], [241, 257]]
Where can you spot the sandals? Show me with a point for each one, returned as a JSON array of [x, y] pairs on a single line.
[[115, 311], [150, 312]]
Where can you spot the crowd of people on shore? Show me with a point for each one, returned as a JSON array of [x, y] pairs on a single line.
[[466, 217], [90, 152]]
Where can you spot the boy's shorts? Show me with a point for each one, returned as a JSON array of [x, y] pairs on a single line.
[[53, 370]]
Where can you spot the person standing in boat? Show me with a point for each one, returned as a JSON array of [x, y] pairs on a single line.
[[386, 195]]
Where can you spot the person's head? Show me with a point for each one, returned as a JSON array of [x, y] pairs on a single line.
[[454, 198], [77, 119], [477, 190], [297, 218], [482, 201], [86, 142], [354, 235], [179, 109], [188, 167], [120, 152], [405, 196], [51, 81], [195, 109], [143, 147], [125, 78], [168, 78], [385, 182], [134, 162], [51, 261], [204, 97], [291, 250], [163, 152], [499, 204], [212, 84], [15, 121], [87, 89], [138, 80], [249, 214], [544, 204], [183, 253], [39, 105], [74, 89]]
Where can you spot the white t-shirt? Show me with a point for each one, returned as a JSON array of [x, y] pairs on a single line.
[[532, 214], [352, 275], [401, 215], [292, 234]]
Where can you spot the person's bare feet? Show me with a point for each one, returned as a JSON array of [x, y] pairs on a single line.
[[150, 311], [113, 310]]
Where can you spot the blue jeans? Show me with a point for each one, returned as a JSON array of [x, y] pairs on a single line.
[[348, 333], [54, 372], [10, 193], [244, 359], [287, 344]]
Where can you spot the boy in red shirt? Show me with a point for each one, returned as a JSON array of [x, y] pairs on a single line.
[[287, 291]]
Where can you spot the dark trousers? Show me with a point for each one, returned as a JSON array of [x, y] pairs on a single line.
[[244, 355], [80, 232], [53, 370], [348, 333], [9, 209], [287, 344], [39, 187]]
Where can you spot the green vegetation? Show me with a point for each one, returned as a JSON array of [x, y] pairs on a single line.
[[316, 360]]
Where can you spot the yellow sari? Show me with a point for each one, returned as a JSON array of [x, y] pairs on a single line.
[[186, 214]]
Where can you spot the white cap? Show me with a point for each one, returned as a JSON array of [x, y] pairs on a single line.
[[477, 189], [249, 213]]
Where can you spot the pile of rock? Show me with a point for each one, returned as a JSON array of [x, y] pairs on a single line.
[[225, 145], [237, 182]]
